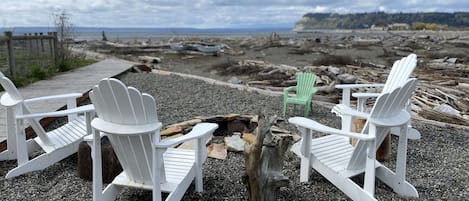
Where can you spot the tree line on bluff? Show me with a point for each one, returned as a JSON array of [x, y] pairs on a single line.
[[366, 20]]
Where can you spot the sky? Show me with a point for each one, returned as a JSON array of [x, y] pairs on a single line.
[[200, 13]]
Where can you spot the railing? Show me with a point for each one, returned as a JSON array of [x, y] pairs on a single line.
[[25, 54]]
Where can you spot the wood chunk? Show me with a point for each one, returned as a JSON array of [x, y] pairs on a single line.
[[264, 162], [443, 117], [249, 137]]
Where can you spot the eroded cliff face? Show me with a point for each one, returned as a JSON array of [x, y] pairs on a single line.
[[304, 23]]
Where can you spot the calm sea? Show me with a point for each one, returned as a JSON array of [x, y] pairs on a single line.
[[126, 34]]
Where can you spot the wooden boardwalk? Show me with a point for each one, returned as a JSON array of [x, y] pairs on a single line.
[[79, 81]]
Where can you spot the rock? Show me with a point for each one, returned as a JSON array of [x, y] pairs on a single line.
[[347, 78], [217, 151], [110, 164], [171, 130], [234, 143], [234, 80], [333, 70]]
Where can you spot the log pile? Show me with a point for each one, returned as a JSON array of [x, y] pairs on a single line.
[[443, 67], [449, 86]]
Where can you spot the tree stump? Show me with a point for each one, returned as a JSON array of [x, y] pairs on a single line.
[[264, 162], [111, 166]]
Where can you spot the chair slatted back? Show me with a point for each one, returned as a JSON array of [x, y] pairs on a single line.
[[400, 72], [116, 103], [305, 84], [12, 97], [387, 106]]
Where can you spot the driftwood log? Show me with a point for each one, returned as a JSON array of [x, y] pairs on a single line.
[[264, 162]]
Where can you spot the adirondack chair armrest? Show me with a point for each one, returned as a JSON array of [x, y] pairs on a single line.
[[365, 95], [313, 125], [342, 109], [288, 89], [60, 113], [53, 97], [313, 91], [199, 131], [351, 86], [346, 88], [121, 129]]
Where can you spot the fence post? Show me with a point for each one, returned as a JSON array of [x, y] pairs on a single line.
[[42, 43], [55, 42], [36, 40], [11, 54]]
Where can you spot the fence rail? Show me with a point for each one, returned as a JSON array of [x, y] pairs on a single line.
[[29, 52]]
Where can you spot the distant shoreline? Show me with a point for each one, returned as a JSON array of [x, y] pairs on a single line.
[[129, 34], [95, 33]]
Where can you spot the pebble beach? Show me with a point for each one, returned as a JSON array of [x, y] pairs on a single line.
[[436, 164]]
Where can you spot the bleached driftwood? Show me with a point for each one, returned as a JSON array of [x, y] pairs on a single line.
[[264, 162]]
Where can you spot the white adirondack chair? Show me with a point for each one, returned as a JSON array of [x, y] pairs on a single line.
[[337, 160], [129, 119], [400, 72], [56, 144]]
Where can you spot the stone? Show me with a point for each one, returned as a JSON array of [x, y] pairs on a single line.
[[333, 70], [234, 143], [347, 78], [110, 164], [217, 151], [234, 80], [171, 130]]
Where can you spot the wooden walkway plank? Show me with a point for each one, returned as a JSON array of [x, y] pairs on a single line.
[[79, 80]]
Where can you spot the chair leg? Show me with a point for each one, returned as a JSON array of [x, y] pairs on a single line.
[[307, 109], [97, 167], [41, 162], [10, 153], [111, 192], [284, 107]]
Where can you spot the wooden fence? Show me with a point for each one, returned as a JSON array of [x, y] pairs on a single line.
[[24, 51]]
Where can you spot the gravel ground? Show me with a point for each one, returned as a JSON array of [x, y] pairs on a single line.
[[437, 164]]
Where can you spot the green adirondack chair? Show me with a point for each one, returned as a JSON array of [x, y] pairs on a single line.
[[304, 92]]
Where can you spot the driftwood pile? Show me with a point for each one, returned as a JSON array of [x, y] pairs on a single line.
[[441, 93]]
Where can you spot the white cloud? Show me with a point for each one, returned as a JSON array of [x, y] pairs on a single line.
[[200, 13]]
